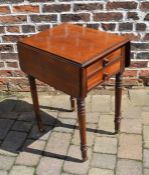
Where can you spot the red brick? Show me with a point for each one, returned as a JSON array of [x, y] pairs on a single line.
[[110, 16], [1, 64], [6, 47], [41, 0], [110, 26], [144, 73], [75, 17], [133, 37], [125, 26], [87, 6], [12, 64], [140, 27], [143, 55], [11, 56], [26, 9], [5, 73], [2, 30], [4, 9], [133, 15], [28, 28], [45, 18], [12, 38], [121, 5], [146, 17], [144, 6], [139, 46], [146, 37], [130, 73], [13, 19], [12, 73], [56, 8], [43, 27], [138, 64], [11, 1], [93, 26], [13, 29]]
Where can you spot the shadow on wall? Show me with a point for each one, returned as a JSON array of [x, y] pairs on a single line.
[[18, 128]]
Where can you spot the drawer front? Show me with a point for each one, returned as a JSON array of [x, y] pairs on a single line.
[[103, 74], [111, 69], [114, 55], [95, 67], [99, 64]]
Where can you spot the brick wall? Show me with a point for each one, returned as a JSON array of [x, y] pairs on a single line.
[[20, 18]]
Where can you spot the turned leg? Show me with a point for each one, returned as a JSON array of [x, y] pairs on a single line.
[[72, 102], [82, 126], [118, 97], [35, 101]]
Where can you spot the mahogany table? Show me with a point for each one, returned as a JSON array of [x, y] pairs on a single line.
[[75, 59]]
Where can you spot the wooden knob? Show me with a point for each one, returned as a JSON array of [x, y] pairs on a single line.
[[105, 76], [105, 61]]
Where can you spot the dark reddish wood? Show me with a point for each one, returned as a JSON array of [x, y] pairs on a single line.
[[50, 69], [75, 59], [118, 96], [75, 43], [35, 101], [82, 126], [127, 54], [72, 102]]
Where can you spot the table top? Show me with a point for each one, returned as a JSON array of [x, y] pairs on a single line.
[[75, 43]]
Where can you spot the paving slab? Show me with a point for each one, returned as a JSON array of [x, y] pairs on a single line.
[[3, 172], [90, 135], [106, 123], [6, 162], [22, 126], [58, 144], [48, 165], [146, 158], [5, 125], [97, 171], [23, 170], [101, 103], [129, 167], [146, 171], [145, 118], [105, 145], [130, 146], [73, 162], [14, 141], [131, 126], [139, 97], [105, 161], [146, 136]]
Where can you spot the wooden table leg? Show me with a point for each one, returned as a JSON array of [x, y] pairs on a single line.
[[35, 101], [82, 126], [72, 102], [118, 97]]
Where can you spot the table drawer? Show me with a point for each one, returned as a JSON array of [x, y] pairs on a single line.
[[103, 74], [113, 55], [98, 65]]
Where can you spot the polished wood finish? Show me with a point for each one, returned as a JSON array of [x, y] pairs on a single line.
[[118, 96], [82, 126], [35, 101], [75, 59], [75, 43]]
